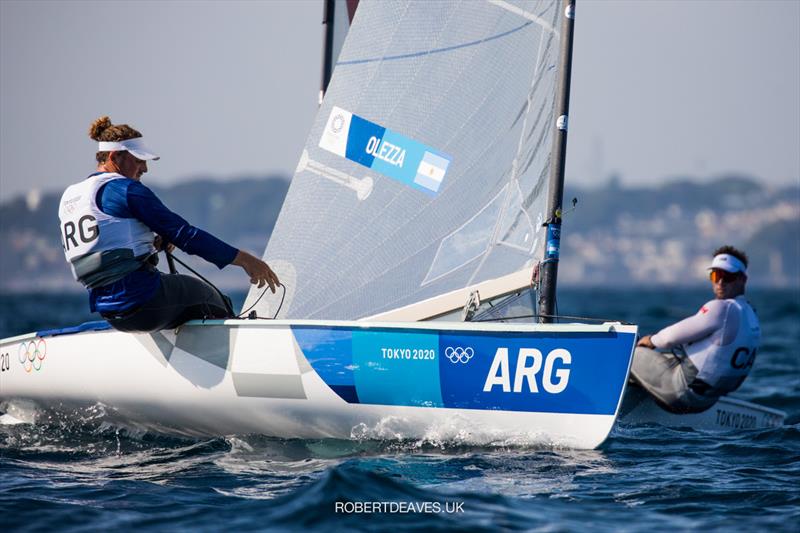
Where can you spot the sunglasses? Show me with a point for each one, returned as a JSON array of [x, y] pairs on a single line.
[[720, 275]]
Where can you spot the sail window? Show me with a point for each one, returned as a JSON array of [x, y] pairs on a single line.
[[467, 243]]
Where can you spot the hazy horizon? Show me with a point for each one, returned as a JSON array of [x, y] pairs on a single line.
[[660, 89], [35, 198]]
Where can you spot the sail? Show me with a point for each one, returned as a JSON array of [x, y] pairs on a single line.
[[426, 168]]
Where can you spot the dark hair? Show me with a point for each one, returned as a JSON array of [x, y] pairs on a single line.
[[730, 250], [103, 130]]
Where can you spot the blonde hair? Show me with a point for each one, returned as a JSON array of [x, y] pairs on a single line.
[[103, 130]]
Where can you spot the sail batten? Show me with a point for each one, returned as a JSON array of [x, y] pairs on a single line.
[[422, 173], [433, 51], [524, 14]]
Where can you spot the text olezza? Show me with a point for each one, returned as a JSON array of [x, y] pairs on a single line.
[[384, 151], [394, 155]]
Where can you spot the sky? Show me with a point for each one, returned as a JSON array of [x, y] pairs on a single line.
[[660, 89]]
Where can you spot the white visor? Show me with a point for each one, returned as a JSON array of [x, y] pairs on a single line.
[[134, 146], [728, 263]]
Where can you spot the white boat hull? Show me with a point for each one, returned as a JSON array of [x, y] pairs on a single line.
[[293, 379], [728, 414]]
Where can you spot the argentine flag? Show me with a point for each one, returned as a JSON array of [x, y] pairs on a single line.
[[431, 171]]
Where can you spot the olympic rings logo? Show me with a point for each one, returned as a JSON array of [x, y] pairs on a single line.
[[337, 123], [31, 354], [459, 354]]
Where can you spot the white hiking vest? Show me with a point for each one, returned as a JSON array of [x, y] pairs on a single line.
[[100, 247], [725, 366]]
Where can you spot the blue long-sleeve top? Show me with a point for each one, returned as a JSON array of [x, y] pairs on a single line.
[[126, 198]]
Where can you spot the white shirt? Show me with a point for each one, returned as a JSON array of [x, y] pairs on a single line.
[[721, 341]]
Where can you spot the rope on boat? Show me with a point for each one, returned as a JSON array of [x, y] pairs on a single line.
[[253, 315], [225, 299]]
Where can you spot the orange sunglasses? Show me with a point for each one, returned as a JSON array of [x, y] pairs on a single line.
[[720, 275]]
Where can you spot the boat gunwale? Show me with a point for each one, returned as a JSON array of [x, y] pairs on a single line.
[[606, 327], [748, 404]]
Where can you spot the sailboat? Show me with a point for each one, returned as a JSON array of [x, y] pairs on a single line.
[[418, 246]]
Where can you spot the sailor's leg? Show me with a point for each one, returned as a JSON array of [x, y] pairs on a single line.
[[179, 299], [660, 374], [667, 378], [200, 300]]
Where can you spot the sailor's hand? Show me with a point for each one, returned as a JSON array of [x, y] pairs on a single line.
[[159, 244], [260, 273], [646, 342]]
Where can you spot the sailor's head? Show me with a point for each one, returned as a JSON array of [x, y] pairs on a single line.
[[728, 272], [120, 149]]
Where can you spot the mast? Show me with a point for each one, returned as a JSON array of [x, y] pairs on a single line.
[[327, 49], [549, 267]]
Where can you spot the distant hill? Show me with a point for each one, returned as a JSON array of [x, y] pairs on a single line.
[[241, 211], [664, 235], [616, 236]]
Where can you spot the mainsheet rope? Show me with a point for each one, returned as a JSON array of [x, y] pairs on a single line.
[[243, 314]]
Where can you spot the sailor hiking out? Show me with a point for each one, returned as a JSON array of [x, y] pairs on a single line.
[[112, 226], [708, 354]]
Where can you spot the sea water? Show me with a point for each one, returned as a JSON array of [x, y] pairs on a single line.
[[80, 473]]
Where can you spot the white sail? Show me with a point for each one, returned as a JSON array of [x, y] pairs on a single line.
[[426, 169]]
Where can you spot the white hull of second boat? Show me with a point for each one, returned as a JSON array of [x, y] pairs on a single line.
[[473, 383], [728, 414]]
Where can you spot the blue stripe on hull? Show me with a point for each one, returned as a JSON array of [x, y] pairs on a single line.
[[578, 373]]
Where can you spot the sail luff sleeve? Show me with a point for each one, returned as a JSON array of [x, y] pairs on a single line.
[[549, 270], [327, 50]]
